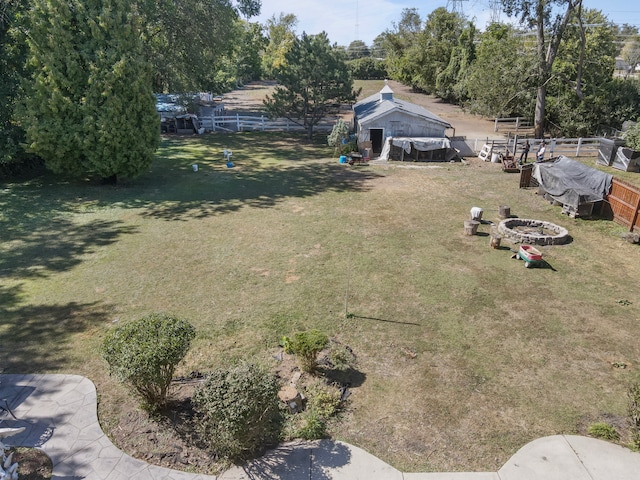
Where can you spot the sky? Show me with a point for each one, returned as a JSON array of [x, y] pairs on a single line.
[[349, 20]]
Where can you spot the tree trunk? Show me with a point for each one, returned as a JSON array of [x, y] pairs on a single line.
[[546, 56], [540, 117]]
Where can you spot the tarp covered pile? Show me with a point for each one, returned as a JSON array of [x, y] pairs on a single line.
[[570, 182]]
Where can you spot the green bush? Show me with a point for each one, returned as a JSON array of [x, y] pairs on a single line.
[[239, 411], [341, 357], [341, 140], [632, 136], [323, 402], [314, 426], [604, 431], [306, 346], [144, 354]]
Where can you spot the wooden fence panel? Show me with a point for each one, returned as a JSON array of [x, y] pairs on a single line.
[[624, 200]]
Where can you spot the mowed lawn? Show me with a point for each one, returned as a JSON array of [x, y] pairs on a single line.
[[463, 354]]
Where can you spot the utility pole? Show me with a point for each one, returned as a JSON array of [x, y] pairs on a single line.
[[495, 11], [455, 6]]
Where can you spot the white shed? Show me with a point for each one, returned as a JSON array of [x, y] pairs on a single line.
[[381, 116]]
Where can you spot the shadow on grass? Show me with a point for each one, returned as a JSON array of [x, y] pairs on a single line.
[[35, 338], [382, 320], [57, 246], [42, 227], [345, 377], [268, 169], [219, 191]]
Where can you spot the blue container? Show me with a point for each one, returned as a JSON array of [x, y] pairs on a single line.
[[343, 159]]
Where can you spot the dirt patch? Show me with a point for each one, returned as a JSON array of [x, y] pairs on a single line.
[[33, 464], [249, 98]]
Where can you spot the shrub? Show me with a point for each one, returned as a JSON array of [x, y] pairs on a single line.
[[633, 396], [144, 354], [604, 431], [314, 426], [306, 346], [632, 136], [339, 135], [323, 402], [239, 411], [340, 356]]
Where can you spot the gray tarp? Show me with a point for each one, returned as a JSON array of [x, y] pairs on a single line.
[[423, 144], [572, 183], [627, 160]]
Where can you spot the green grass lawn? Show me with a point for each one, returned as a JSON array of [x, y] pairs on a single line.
[[463, 354]]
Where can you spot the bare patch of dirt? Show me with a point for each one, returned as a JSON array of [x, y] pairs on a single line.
[[166, 439], [33, 464]]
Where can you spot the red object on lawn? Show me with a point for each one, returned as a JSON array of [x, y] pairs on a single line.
[[530, 253]]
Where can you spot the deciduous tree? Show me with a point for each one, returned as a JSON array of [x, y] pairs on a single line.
[[281, 35], [549, 19], [357, 49], [430, 55], [189, 41], [503, 76]]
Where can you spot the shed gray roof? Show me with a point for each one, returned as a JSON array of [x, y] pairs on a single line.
[[373, 107]]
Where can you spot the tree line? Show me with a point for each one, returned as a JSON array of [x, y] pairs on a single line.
[[77, 77], [556, 68]]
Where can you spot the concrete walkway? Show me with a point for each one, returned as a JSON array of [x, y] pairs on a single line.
[[60, 416]]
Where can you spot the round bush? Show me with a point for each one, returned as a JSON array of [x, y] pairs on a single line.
[[239, 411], [144, 354]]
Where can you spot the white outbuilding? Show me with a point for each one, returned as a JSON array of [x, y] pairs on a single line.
[[382, 116]]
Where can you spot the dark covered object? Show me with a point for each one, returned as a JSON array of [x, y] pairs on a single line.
[[627, 160], [572, 183]]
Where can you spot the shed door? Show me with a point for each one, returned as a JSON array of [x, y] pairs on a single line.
[[376, 136]]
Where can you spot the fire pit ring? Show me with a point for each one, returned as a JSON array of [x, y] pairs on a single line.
[[533, 232]]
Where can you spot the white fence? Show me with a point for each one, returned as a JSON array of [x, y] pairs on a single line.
[[511, 123], [571, 147], [244, 123]]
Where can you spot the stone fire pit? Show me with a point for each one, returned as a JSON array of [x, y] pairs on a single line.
[[533, 232]]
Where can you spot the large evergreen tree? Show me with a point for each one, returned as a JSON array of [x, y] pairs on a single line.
[[90, 108], [12, 57], [314, 79]]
